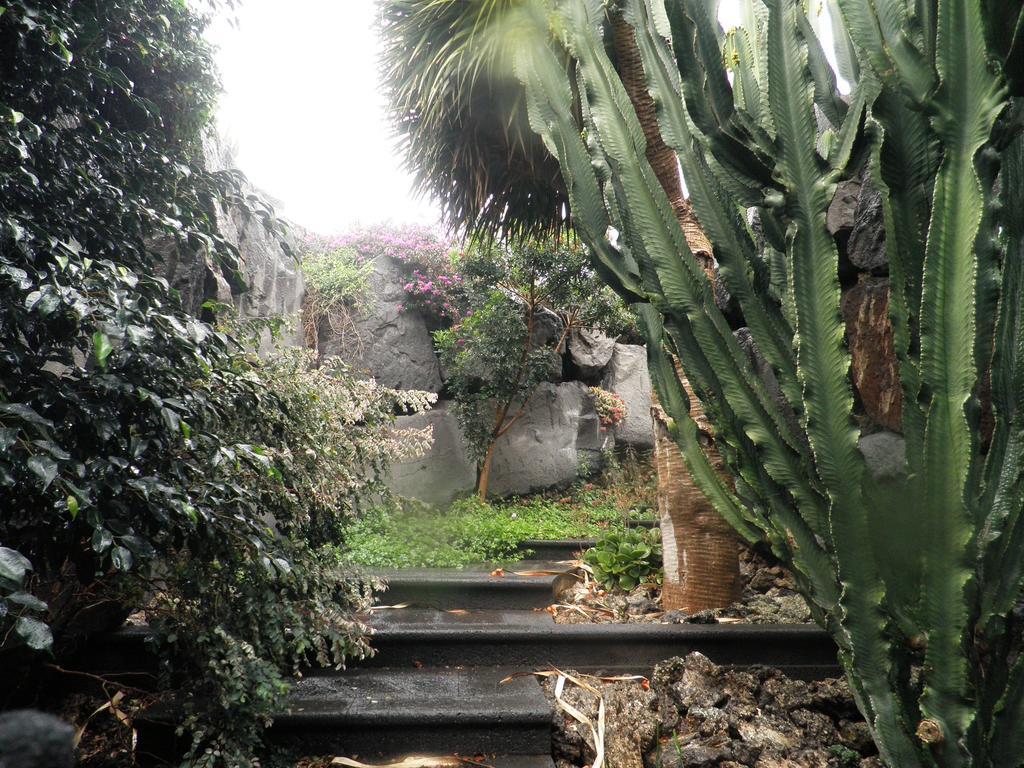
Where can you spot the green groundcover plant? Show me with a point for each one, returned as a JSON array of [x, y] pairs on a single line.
[[470, 531], [918, 583]]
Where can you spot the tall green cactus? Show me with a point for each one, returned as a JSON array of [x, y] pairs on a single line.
[[929, 639]]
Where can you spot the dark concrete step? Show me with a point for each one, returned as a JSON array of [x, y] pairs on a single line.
[[554, 550], [526, 640], [390, 712], [472, 588]]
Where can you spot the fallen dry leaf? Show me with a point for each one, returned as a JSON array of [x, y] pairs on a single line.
[[413, 761], [395, 607]]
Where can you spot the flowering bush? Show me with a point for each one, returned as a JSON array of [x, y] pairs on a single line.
[[427, 261], [438, 296], [408, 245], [611, 408]]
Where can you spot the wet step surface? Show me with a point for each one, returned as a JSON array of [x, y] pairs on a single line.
[[555, 549], [387, 712], [475, 588], [531, 640], [434, 686]]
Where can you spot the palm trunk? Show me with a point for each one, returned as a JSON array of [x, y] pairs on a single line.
[[701, 555]]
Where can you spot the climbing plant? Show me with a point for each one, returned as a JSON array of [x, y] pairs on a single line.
[[918, 584]]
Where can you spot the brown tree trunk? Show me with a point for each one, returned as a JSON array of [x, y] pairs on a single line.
[[701, 553], [485, 473]]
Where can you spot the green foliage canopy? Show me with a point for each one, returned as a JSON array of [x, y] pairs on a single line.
[[145, 459]]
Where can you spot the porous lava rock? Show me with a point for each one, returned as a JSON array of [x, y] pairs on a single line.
[[874, 366], [694, 714]]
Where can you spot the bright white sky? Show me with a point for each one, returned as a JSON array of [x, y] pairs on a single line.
[[303, 109]]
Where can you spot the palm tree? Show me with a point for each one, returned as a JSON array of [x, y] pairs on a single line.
[[462, 124]]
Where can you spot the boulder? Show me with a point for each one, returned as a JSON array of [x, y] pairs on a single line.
[[874, 367], [866, 247], [547, 327], [627, 377], [31, 739], [590, 351], [390, 343], [556, 439], [842, 209], [885, 454], [444, 472]]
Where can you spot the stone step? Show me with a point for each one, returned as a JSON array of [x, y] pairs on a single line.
[[530, 640], [374, 713], [472, 588], [554, 550]]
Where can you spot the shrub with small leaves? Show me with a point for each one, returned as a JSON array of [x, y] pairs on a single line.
[[626, 559], [145, 459]]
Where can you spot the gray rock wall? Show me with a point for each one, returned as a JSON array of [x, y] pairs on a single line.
[[444, 472], [271, 283], [274, 285], [628, 378], [556, 440], [389, 344]]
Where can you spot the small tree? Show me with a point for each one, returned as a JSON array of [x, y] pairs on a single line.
[[522, 303]]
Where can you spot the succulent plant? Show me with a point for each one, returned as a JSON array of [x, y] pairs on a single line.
[[626, 559]]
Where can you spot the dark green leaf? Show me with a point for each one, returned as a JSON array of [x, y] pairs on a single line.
[[35, 634], [44, 467], [13, 565]]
